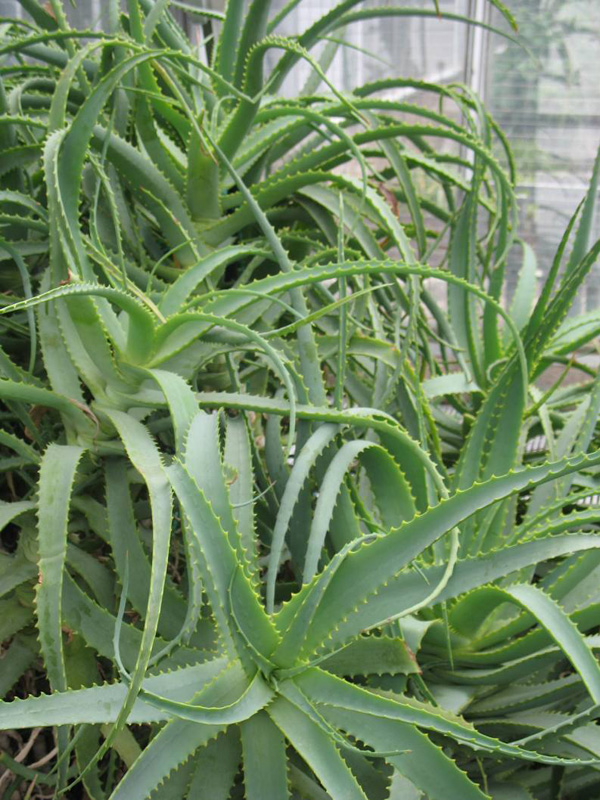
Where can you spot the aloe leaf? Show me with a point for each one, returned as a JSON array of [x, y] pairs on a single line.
[[308, 355], [87, 344], [61, 372], [416, 463], [129, 553], [399, 164], [145, 457], [451, 383], [576, 436], [15, 570], [203, 460], [300, 277], [305, 460], [462, 263], [265, 760], [523, 298], [209, 320], [211, 244], [549, 614], [328, 492], [167, 29], [372, 655], [553, 310], [237, 456], [183, 409], [80, 416], [583, 236], [215, 767], [317, 749], [202, 182], [179, 291], [330, 488], [80, 663], [14, 617], [409, 588], [97, 626], [391, 491], [327, 690], [11, 511], [182, 404], [97, 577], [339, 17], [57, 476], [141, 330], [403, 789], [150, 138], [289, 649], [251, 33], [219, 567], [425, 765], [524, 698], [19, 655], [494, 438], [253, 696], [15, 255], [391, 11], [68, 171], [175, 785], [369, 568], [170, 748], [227, 46], [41, 15], [512, 670], [153, 190]]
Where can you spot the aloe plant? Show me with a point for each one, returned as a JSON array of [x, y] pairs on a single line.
[[277, 532]]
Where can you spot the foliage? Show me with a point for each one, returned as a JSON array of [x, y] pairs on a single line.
[[274, 525]]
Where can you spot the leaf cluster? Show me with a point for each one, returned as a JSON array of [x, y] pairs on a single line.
[[296, 504]]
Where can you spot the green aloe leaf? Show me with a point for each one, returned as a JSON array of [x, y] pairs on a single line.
[[57, 476], [219, 567], [265, 761], [369, 568], [317, 749], [103, 703]]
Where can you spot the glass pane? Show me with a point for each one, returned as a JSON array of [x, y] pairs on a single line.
[[548, 102]]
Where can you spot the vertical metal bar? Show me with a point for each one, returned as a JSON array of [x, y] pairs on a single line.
[[476, 62], [479, 41]]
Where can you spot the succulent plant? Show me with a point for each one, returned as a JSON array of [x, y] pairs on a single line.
[[274, 526]]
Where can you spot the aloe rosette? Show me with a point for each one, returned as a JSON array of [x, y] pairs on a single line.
[[265, 485]]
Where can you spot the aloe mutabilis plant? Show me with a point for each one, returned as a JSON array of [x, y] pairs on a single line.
[[422, 627]]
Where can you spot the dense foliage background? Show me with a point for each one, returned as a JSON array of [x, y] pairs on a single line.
[[294, 504]]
